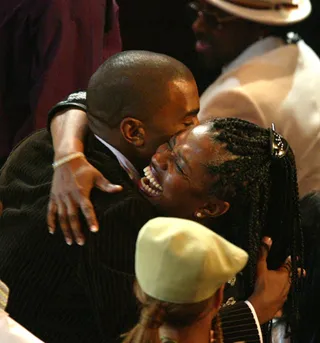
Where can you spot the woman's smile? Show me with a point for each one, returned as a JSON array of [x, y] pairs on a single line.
[[149, 184]]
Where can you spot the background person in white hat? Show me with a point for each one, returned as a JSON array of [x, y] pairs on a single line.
[[268, 76], [181, 268]]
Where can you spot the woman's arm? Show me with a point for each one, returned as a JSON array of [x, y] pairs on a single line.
[[73, 180], [241, 322]]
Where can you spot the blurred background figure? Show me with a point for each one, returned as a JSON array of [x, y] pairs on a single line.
[[269, 74], [48, 48]]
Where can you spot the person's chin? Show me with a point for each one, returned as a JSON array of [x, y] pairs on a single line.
[[206, 54]]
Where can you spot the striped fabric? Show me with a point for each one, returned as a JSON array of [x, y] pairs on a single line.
[[238, 324]]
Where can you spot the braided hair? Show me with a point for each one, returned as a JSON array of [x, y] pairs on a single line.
[[263, 195]]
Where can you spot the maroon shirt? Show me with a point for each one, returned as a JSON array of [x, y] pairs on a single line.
[[48, 49]]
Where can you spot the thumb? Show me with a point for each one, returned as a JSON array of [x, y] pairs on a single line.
[[264, 252], [106, 186]]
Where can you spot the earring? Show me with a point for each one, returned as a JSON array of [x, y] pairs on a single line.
[[199, 215]]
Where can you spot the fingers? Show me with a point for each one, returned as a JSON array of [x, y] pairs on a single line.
[[265, 247], [106, 186], [89, 213], [73, 220], [67, 211], [68, 219], [64, 224], [302, 272], [287, 268], [51, 215], [264, 251], [287, 265]]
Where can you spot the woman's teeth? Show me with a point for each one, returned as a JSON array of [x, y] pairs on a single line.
[[149, 176], [149, 184]]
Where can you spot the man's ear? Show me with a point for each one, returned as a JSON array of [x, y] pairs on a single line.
[[133, 131], [214, 208]]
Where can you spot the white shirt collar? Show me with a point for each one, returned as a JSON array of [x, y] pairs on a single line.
[[123, 161], [256, 49]]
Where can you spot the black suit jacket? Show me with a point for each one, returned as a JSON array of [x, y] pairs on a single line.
[[61, 293]]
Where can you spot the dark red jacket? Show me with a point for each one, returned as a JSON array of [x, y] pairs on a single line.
[[48, 49]]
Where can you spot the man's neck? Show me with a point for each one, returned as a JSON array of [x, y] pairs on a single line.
[[115, 139]]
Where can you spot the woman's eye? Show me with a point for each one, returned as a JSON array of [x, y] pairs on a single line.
[[179, 169]]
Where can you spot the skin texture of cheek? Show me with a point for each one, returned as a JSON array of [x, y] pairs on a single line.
[[178, 201]]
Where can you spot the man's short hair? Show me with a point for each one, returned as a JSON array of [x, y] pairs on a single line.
[[132, 83]]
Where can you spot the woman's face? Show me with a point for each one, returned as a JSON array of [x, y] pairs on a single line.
[[177, 179]]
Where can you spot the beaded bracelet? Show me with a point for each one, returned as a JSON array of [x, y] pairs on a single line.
[[66, 159]]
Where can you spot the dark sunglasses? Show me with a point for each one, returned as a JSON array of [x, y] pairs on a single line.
[[209, 15]]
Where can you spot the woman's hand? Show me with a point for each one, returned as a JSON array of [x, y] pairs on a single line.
[[272, 286], [71, 187]]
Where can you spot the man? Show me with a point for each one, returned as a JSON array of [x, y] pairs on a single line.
[[268, 76], [67, 294], [48, 49]]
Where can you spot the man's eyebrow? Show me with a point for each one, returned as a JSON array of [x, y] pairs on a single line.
[[192, 113]]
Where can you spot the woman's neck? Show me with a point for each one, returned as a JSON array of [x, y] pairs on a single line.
[[199, 332]]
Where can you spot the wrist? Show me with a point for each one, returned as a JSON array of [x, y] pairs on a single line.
[[67, 159], [68, 148], [256, 304]]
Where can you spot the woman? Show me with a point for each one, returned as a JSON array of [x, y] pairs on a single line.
[[253, 188], [178, 302]]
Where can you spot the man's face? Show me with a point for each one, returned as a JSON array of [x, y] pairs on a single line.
[[177, 114], [220, 37]]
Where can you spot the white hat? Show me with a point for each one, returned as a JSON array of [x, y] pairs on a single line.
[[270, 12], [181, 261]]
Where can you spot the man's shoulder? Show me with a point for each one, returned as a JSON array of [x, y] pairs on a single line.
[[33, 154], [265, 79], [284, 62]]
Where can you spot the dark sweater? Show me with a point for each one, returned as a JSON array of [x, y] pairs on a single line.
[[62, 293]]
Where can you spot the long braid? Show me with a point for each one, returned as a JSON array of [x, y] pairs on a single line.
[[266, 190]]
